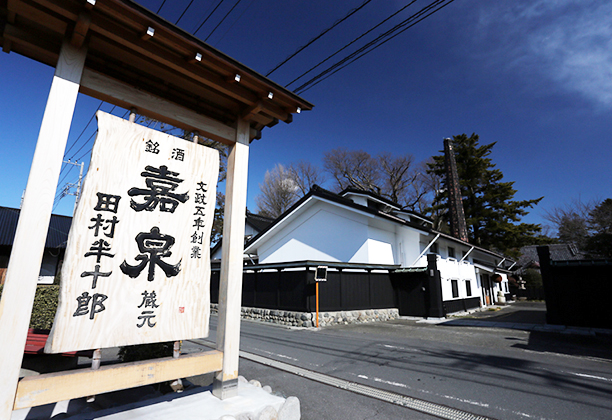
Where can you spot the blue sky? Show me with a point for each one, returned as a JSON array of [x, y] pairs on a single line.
[[533, 76]]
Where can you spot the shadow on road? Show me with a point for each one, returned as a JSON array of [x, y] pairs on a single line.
[[574, 345], [522, 316], [532, 314]]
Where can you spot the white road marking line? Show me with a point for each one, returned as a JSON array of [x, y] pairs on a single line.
[[584, 375]]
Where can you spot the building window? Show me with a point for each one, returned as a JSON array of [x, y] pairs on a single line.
[[455, 287], [451, 252], [468, 288]]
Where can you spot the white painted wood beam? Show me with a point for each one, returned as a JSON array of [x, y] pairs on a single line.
[[425, 250], [31, 234], [60, 386], [118, 93], [225, 384]]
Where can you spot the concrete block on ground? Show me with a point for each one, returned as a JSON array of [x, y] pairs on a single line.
[[290, 409]]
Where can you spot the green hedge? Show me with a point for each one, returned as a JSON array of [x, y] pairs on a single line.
[[146, 351], [43, 314], [45, 306]]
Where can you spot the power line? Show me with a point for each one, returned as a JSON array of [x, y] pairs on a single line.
[[182, 14], [351, 43], [366, 46], [226, 15], [232, 25], [160, 7], [336, 23], [91, 148], [86, 125], [207, 17], [84, 144], [364, 50]]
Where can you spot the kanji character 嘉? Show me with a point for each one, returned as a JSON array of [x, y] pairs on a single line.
[[161, 183]]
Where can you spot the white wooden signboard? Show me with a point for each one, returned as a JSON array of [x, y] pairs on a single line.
[[137, 266]]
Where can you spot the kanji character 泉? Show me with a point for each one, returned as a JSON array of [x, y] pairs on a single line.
[[158, 246]]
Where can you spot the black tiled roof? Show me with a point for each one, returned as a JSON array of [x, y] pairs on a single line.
[[558, 252], [57, 236], [258, 221]]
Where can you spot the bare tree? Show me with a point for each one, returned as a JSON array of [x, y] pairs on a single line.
[[571, 221], [305, 175], [397, 178], [423, 189], [278, 192], [352, 168]]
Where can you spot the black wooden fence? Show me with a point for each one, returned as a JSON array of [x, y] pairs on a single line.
[[349, 287], [291, 287], [460, 305], [577, 291]]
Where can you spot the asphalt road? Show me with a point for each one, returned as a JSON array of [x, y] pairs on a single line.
[[491, 372]]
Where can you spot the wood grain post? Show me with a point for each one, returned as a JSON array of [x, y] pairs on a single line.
[[96, 361], [225, 384], [28, 246]]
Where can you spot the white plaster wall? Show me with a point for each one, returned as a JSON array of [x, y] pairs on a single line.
[[248, 230], [449, 270], [453, 269], [380, 252], [382, 242], [410, 249], [321, 232]]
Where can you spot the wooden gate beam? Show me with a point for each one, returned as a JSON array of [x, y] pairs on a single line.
[[225, 384], [30, 236], [61, 386]]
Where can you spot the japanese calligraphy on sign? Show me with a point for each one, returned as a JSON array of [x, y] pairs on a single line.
[[137, 266]]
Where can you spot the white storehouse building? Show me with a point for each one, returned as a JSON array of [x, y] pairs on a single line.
[[366, 230]]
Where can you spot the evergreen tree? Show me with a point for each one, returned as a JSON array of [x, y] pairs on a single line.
[[492, 216], [599, 243]]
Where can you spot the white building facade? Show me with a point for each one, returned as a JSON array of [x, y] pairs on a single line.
[[359, 227]]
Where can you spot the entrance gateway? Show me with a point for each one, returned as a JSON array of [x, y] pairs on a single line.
[[121, 53]]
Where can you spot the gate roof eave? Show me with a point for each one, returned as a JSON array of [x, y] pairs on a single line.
[[132, 46]]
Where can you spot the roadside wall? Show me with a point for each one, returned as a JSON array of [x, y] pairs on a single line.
[[577, 291]]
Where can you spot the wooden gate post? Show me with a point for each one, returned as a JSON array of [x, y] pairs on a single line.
[[225, 384], [28, 246]]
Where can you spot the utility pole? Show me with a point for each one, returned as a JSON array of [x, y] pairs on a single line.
[[77, 194]]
